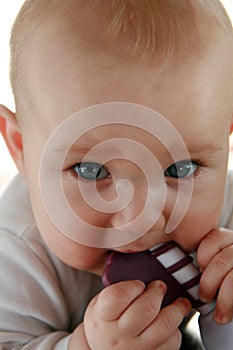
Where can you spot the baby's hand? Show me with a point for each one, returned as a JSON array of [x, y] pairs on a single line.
[[215, 258], [127, 315]]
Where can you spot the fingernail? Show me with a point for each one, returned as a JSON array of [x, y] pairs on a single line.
[[220, 318], [140, 284], [204, 297], [186, 303], [162, 286]]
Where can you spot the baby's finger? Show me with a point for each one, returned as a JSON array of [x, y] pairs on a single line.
[[215, 272], [165, 325], [224, 307], [113, 300], [172, 343], [143, 310], [212, 244]]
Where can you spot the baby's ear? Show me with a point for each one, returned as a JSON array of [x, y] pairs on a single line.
[[11, 133], [231, 128]]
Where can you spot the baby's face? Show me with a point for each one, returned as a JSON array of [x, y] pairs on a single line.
[[195, 97]]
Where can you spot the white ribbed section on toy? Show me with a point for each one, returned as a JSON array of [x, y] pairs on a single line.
[[176, 262], [171, 259]]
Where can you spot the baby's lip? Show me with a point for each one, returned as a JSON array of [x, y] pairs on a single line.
[[128, 251], [138, 250], [153, 248]]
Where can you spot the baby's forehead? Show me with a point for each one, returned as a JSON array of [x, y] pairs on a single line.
[[129, 29], [134, 28], [156, 29]]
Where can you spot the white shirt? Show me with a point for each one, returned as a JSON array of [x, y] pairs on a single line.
[[42, 300]]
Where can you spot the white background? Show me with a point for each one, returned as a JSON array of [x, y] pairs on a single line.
[[8, 11]]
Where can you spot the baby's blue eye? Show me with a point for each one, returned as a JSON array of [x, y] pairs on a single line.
[[91, 171], [181, 169]]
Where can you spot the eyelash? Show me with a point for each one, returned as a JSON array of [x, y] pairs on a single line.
[[101, 167], [200, 166]]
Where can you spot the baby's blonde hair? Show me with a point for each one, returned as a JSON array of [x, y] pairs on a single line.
[[136, 29]]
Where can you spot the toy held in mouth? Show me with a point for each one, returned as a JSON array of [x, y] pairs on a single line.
[[169, 263]]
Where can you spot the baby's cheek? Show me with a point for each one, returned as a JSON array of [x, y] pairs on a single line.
[[90, 259], [196, 224], [82, 257], [84, 206]]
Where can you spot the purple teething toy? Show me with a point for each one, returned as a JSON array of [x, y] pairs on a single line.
[[167, 262]]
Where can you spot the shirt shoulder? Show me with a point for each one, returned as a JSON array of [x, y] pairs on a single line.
[[39, 294], [16, 214]]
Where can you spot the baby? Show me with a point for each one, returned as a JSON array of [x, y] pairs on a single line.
[[140, 79]]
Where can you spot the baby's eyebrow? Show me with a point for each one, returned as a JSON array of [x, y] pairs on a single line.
[[206, 148], [82, 150], [77, 149]]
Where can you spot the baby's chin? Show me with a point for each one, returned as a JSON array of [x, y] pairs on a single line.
[[94, 264]]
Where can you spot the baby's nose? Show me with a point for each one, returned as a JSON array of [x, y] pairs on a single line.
[[144, 212]]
